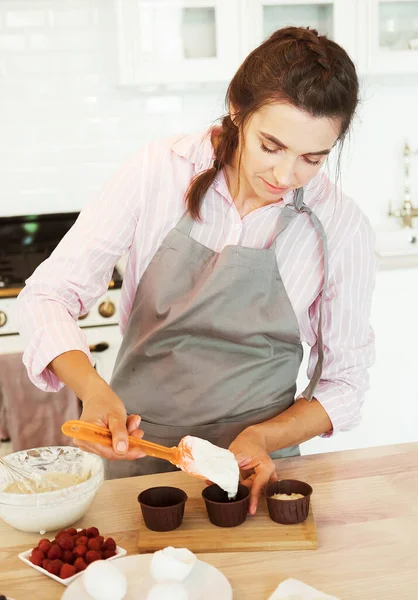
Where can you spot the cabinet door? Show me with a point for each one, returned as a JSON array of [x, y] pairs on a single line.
[[392, 36], [177, 41], [334, 18], [390, 410]]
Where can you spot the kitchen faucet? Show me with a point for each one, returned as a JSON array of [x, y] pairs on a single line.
[[408, 211]]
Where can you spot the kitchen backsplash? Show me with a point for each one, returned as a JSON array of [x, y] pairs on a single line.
[[65, 125]]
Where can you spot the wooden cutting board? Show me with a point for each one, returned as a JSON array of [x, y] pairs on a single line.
[[257, 533]]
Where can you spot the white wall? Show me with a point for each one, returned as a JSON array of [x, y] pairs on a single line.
[[373, 157], [65, 126]]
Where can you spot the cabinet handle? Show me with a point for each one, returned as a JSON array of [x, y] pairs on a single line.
[[100, 347]]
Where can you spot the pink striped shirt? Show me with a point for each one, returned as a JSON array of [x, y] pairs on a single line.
[[136, 210]]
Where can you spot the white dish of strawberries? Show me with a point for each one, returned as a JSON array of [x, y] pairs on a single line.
[[66, 556]]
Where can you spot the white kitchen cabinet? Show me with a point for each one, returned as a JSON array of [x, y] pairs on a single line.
[[335, 18], [390, 43], [390, 410], [177, 41], [189, 41], [381, 36]]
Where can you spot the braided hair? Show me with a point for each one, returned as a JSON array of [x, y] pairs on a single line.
[[295, 65]]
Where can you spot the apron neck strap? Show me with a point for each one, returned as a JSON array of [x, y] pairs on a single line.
[[309, 391], [288, 213], [298, 199]]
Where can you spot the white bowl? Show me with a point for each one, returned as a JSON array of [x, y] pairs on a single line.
[[50, 511]]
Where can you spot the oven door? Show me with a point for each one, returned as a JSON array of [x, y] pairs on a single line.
[[103, 341]]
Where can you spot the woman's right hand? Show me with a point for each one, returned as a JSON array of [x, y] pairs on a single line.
[[104, 408]]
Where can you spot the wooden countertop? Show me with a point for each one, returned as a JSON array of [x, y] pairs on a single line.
[[366, 508]]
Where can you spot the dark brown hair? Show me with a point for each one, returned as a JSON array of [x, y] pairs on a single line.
[[295, 65]]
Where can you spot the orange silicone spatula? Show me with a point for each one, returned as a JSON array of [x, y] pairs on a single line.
[[101, 435], [181, 456]]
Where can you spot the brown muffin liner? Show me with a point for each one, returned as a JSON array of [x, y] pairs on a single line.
[[288, 512], [224, 512], [162, 507]]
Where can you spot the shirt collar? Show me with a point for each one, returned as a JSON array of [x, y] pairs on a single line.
[[196, 148]]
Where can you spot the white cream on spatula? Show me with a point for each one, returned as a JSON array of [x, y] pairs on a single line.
[[201, 458]]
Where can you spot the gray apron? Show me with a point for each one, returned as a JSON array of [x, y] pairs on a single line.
[[212, 344]]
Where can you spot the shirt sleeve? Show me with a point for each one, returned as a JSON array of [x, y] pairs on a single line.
[[349, 349], [77, 273]]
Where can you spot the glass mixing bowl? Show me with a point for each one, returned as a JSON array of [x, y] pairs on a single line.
[[49, 511]]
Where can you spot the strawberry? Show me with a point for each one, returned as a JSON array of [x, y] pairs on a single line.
[[37, 557], [79, 550], [44, 545], [65, 542], [110, 544], [54, 552], [92, 532], [94, 544], [62, 532], [92, 555], [49, 566], [82, 540], [45, 563], [79, 564], [67, 571], [55, 567]]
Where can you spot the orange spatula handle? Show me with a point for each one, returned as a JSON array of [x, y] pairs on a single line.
[[101, 435]]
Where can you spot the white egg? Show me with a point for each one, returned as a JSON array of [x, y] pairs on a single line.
[[168, 591], [172, 564], [103, 581]]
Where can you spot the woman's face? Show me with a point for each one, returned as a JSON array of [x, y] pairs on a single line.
[[283, 148]]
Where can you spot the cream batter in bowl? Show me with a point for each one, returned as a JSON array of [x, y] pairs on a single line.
[[78, 475]]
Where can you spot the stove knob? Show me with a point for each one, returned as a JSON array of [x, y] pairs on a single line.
[[3, 318], [107, 309]]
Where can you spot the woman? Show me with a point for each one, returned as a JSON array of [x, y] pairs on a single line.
[[239, 250]]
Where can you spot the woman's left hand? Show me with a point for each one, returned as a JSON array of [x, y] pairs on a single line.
[[256, 466]]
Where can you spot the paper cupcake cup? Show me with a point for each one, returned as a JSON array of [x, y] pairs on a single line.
[[224, 512], [162, 507], [288, 512]]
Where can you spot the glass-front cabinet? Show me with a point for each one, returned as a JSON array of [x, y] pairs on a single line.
[[333, 18], [181, 41], [168, 41], [392, 36]]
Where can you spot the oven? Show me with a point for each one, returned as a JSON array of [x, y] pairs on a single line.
[[30, 417], [25, 242], [100, 328]]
